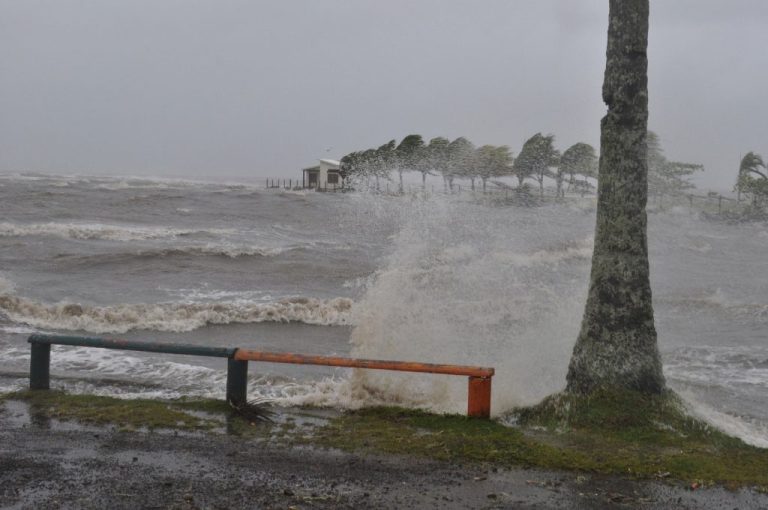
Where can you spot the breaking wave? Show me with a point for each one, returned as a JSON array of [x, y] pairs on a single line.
[[176, 317], [459, 288], [578, 250], [708, 377], [127, 375], [733, 366], [216, 250], [720, 302], [97, 231], [750, 431]]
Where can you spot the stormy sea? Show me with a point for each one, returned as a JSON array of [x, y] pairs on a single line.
[[434, 277]]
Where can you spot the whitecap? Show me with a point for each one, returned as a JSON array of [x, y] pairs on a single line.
[[177, 317]]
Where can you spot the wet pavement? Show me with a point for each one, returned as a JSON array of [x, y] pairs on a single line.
[[45, 464]]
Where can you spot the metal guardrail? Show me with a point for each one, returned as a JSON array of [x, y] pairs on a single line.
[[478, 393]]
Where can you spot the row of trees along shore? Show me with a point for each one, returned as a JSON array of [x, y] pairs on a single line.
[[537, 160]]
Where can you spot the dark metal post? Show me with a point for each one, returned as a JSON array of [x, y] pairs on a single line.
[[40, 367], [237, 381]]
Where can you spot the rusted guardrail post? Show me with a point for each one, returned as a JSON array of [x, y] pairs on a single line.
[[479, 397]]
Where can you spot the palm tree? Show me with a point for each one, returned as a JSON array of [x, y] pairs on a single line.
[[535, 159], [409, 155], [461, 159], [385, 161], [578, 159], [617, 347], [492, 162], [750, 164], [436, 159], [666, 176]]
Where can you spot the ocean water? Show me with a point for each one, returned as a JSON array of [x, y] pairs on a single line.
[[435, 278]]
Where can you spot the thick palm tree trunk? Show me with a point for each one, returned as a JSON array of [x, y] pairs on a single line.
[[617, 347]]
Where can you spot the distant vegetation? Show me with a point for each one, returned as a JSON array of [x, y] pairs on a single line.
[[575, 169], [752, 181], [664, 176]]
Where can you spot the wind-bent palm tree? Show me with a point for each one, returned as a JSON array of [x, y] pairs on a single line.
[[409, 155], [536, 158], [750, 164], [751, 179], [578, 159]]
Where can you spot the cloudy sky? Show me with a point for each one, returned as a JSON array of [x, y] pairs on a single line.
[[252, 89]]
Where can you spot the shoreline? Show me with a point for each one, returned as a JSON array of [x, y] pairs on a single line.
[[47, 461]]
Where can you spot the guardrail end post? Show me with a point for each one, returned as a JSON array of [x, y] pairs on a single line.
[[479, 397], [237, 381], [40, 367]]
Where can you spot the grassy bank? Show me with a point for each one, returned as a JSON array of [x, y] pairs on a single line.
[[125, 414], [611, 433]]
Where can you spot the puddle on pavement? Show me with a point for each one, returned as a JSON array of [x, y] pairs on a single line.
[[15, 414]]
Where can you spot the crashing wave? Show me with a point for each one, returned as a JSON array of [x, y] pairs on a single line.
[[97, 231], [221, 250], [718, 300], [579, 250], [176, 317], [216, 250]]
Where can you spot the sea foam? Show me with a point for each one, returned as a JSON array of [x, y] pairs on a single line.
[[177, 317], [228, 250], [96, 231]]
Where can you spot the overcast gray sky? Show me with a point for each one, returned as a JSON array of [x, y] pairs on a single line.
[[225, 88]]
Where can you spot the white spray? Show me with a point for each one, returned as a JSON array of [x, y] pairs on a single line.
[[469, 285]]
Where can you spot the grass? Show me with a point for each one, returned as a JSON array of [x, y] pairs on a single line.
[[618, 433], [610, 432], [191, 415], [126, 414]]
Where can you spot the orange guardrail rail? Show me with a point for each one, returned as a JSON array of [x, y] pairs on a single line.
[[478, 392]]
